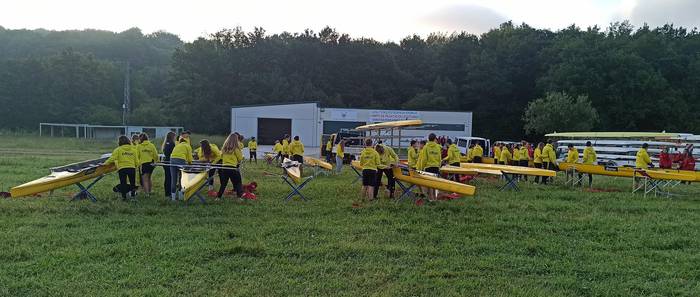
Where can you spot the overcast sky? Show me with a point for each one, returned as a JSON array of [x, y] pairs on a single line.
[[379, 19]]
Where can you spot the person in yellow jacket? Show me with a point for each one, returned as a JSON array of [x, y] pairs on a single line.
[[497, 153], [477, 153], [253, 149], [209, 153], [571, 157], [413, 154], [453, 155], [537, 159], [387, 160], [469, 153], [285, 146], [339, 156], [369, 160], [505, 156], [181, 155], [430, 159], [515, 159], [589, 158], [549, 159], [329, 149], [186, 136], [125, 158], [524, 157], [148, 155], [296, 150], [277, 149], [643, 160], [231, 158]]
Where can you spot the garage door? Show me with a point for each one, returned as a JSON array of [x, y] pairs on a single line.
[[270, 130]]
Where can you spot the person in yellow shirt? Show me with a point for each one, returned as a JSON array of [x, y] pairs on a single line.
[[589, 158], [506, 157], [571, 157], [497, 153], [277, 149], [430, 159], [549, 159], [125, 158], [515, 161], [329, 149], [453, 155], [537, 160], [643, 160], [231, 158], [524, 157], [285, 146], [387, 160], [369, 159], [186, 136], [181, 155], [208, 153], [339, 156], [469, 153], [413, 154], [477, 153], [253, 149], [148, 155]]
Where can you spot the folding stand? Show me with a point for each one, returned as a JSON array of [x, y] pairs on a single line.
[[406, 191], [572, 177], [198, 194], [645, 183], [511, 182], [359, 175], [296, 190], [85, 191]]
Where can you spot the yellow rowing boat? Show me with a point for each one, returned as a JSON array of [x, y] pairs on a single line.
[[292, 170], [64, 176], [469, 171], [630, 172], [433, 182], [511, 169], [311, 161], [191, 181]]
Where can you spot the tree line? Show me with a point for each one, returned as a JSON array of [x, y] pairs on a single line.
[[633, 79]]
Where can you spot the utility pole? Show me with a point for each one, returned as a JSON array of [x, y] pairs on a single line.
[[127, 99]]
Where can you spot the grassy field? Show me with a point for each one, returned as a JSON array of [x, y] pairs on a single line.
[[542, 241]]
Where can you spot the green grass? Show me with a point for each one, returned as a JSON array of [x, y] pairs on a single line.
[[542, 241]]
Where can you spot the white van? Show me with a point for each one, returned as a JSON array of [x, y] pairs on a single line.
[[463, 144]]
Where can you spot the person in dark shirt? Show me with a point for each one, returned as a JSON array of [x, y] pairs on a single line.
[[167, 147]]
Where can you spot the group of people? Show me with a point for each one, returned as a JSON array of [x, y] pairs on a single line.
[[138, 157]]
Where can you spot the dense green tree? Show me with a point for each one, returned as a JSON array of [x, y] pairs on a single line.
[[559, 112]]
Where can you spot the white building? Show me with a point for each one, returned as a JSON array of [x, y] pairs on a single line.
[[309, 121]]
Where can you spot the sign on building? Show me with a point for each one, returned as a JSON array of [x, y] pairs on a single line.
[[392, 115]]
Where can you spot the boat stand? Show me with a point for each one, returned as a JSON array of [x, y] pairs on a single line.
[[511, 182], [642, 182], [198, 193], [358, 177], [406, 191], [573, 177], [85, 191], [296, 190]]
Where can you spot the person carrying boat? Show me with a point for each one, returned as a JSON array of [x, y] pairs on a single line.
[[430, 159], [339, 156], [549, 159], [125, 158], [231, 158], [253, 150], [369, 159], [167, 149], [572, 158], [589, 158], [387, 160], [147, 156], [209, 153], [477, 153], [643, 161], [537, 159], [181, 155]]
